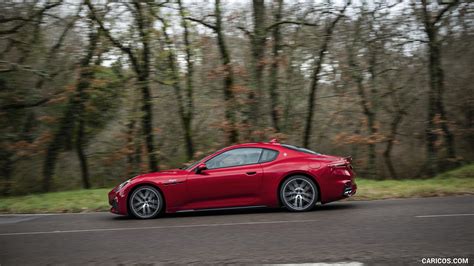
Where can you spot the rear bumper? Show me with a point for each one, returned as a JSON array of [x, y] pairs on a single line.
[[350, 189]]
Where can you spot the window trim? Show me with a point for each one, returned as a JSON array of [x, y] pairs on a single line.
[[299, 149], [261, 154], [258, 162]]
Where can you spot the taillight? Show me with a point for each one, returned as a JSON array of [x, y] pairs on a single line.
[[348, 159], [338, 165]]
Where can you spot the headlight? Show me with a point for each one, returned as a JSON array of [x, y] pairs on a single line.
[[123, 184]]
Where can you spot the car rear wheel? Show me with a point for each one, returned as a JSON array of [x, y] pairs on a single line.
[[299, 193], [145, 202]]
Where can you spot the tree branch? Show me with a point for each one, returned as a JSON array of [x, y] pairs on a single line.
[[15, 106], [15, 66], [291, 22], [444, 10], [26, 20], [213, 27], [246, 32], [115, 42]]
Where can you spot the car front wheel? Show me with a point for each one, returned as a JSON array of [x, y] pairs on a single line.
[[299, 193], [145, 202]]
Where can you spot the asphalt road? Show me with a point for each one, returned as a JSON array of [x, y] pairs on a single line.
[[389, 231]]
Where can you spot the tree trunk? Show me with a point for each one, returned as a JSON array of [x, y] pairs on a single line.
[[185, 104], [436, 110], [230, 104], [387, 154], [274, 68], [183, 113], [189, 85], [132, 165], [143, 73], [147, 123], [230, 127], [437, 74], [315, 79], [52, 152], [371, 110], [6, 171], [66, 124], [81, 155], [7, 159], [258, 40], [141, 66], [388, 160], [86, 76], [369, 114]]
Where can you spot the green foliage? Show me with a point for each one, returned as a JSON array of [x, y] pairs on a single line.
[[104, 97]]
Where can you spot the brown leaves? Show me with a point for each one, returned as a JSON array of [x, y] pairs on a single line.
[[47, 119], [438, 130], [240, 89], [346, 138], [26, 149], [58, 99]]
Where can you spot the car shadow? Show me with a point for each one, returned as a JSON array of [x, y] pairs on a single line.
[[243, 211]]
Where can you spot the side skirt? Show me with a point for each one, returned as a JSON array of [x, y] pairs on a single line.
[[222, 209]]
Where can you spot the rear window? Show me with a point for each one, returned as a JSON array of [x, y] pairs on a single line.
[[291, 147], [268, 155]]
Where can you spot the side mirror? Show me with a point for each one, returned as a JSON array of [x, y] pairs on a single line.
[[201, 167]]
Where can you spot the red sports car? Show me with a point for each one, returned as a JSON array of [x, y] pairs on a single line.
[[245, 175]]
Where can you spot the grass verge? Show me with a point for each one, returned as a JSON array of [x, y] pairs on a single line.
[[66, 201], [457, 182]]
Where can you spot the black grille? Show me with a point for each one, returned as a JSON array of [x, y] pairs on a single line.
[[114, 204]]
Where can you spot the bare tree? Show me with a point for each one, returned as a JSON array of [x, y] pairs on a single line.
[[140, 60], [189, 113], [317, 66], [72, 114], [276, 47], [229, 97], [185, 102], [436, 109]]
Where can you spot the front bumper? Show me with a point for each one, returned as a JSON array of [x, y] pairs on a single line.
[[117, 202]]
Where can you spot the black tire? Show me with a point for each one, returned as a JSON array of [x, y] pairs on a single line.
[[298, 193], [145, 202]]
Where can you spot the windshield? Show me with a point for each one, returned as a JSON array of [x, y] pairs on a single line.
[[291, 147]]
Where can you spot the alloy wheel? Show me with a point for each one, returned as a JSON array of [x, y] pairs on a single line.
[[145, 202], [299, 193]]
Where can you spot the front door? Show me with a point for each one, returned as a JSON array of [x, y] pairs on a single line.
[[232, 178]]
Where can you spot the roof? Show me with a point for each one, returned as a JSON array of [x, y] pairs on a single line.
[[256, 144]]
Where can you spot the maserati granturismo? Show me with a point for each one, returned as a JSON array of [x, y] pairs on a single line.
[[268, 174]]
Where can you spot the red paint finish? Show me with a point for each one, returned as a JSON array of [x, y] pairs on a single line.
[[252, 184]]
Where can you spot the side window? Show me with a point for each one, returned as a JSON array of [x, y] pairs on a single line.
[[235, 157], [268, 155]]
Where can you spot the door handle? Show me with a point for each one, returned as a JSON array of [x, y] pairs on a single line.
[[251, 173]]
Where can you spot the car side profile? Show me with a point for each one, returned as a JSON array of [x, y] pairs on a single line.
[[245, 175]]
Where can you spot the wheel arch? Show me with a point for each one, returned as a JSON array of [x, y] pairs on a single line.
[[136, 186], [306, 174]]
